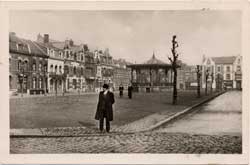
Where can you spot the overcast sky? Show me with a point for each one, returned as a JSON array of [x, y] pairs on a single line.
[[134, 35]]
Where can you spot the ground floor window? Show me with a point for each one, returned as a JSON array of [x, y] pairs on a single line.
[[40, 83], [34, 83], [74, 83]]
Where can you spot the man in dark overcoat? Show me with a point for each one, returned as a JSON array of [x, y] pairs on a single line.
[[121, 88], [130, 89], [105, 108]]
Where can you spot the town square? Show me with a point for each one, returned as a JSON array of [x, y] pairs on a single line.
[[125, 82]]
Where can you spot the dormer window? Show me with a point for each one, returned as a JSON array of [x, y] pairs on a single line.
[[60, 54], [67, 53]]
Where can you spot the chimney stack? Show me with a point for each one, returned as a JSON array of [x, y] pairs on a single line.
[[71, 42], [12, 33], [46, 38]]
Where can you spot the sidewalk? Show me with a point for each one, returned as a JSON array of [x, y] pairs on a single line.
[[146, 123]]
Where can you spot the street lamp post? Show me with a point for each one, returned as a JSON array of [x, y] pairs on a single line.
[[44, 80], [212, 80], [21, 77], [206, 77]]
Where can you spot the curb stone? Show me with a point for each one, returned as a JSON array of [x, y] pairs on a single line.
[[40, 132]]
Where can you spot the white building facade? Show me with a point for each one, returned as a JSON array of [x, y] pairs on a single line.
[[224, 72]]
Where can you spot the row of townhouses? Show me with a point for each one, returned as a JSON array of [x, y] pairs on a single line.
[[50, 66]]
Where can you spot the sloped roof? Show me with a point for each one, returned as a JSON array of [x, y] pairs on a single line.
[[24, 45], [224, 60], [36, 49], [44, 46], [154, 60], [14, 41], [59, 45]]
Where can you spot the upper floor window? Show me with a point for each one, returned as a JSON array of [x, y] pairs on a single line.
[[66, 69], [60, 69], [19, 63], [26, 65], [40, 67], [218, 68], [81, 71], [51, 68], [56, 69], [67, 54], [238, 68], [228, 68], [208, 68], [75, 57], [74, 70], [82, 57], [34, 67], [228, 76], [45, 68]]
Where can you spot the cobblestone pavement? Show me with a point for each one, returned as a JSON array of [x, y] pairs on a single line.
[[130, 143]]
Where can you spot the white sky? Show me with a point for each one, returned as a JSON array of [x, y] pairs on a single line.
[[134, 35]]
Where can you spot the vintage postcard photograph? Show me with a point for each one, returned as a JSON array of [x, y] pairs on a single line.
[[125, 82]]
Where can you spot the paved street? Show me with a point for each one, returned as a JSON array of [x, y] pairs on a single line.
[[219, 116], [129, 143], [202, 131]]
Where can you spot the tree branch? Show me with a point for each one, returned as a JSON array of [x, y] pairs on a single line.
[[170, 60]]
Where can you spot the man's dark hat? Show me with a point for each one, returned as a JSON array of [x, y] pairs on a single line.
[[106, 86]]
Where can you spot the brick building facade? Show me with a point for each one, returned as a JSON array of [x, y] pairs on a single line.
[[28, 66]]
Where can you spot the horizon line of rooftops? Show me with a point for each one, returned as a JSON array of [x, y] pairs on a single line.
[[44, 46]]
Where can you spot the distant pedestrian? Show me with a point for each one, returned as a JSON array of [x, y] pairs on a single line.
[[130, 90], [121, 88], [105, 108]]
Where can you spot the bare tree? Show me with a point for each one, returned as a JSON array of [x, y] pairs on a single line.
[[173, 61], [198, 71]]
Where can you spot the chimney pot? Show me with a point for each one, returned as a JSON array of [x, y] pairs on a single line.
[[46, 38]]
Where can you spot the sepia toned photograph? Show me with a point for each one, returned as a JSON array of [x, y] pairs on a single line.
[[125, 81]]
